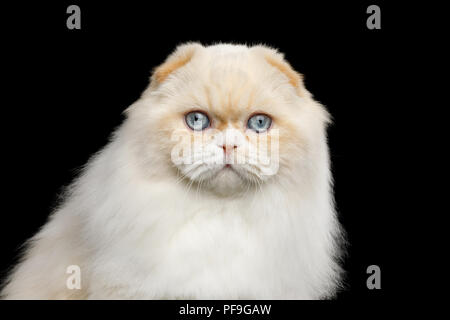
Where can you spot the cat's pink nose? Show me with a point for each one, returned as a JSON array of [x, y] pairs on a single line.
[[228, 148]]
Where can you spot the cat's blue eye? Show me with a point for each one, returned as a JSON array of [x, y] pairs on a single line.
[[259, 122], [197, 120]]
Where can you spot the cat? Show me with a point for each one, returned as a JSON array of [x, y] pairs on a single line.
[[166, 211]]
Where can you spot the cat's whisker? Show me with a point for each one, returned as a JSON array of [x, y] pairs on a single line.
[[186, 193], [182, 176], [199, 184]]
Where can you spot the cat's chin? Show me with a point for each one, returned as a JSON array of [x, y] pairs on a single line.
[[227, 182]]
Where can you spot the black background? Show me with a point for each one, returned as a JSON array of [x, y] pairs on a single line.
[[69, 88]]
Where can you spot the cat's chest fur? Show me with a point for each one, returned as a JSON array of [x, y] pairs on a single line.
[[198, 248]]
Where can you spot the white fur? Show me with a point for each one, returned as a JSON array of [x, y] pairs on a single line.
[[138, 232]]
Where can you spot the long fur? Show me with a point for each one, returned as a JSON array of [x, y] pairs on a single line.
[[141, 227]]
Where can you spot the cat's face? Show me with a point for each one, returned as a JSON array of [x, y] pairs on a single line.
[[230, 118]]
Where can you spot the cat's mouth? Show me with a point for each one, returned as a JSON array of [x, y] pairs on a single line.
[[231, 173], [225, 178], [228, 168]]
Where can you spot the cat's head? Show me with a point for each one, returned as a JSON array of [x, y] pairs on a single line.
[[229, 118]]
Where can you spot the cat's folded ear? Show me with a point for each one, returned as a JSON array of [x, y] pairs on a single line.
[[182, 55], [277, 61]]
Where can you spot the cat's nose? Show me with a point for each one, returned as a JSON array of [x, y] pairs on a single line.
[[227, 148]]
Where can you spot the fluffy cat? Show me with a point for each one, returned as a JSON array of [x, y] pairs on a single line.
[[144, 221]]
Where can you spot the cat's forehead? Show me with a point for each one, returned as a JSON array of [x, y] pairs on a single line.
[[229, 101], [230, 81], [236, 63], [226, 79]]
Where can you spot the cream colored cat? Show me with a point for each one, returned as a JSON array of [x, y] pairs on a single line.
[[178, 205]]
